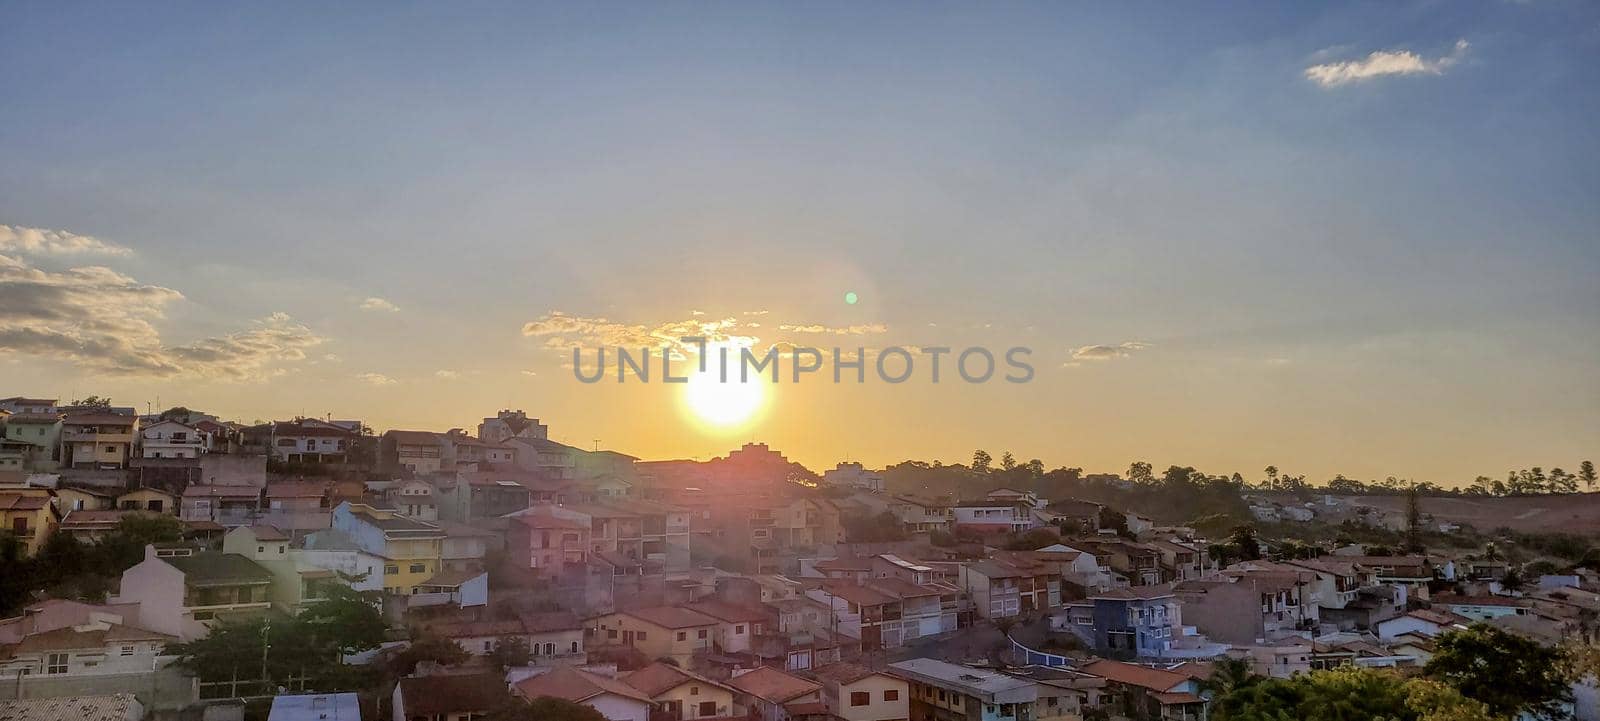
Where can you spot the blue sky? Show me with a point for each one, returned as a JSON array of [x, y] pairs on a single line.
[[1392, 274]]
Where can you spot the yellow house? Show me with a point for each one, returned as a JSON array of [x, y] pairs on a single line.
[[682, 695], [29, 515], [148, 499], [657, 632], [70, 498], [410, 547], [857, 693]]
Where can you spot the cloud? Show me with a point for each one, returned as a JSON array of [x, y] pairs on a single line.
[[376, 379], [1381, 63], [379, 304], [563, 331], [102, 320], [1107, 352], [42, 241], [864, 329], [448, 375]]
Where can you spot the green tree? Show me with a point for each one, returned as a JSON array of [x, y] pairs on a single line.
[[1244, 539], [1008, 462], [345, 621], [1346, 694], [424, 647], [1586, 474], [981, 460], [1413, 521], [1229, 674], [1508, 673], [544, 708], [510, 652], [1141, 473]]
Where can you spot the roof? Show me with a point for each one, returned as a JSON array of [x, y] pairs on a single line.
[[844, 673], [770, 684], [859, 595], [1437, 616], [729, 612], [546, 520], [1450, 599], [268, 533], [97, 492], [296, 489], [1137, 593], [449, 694], [1135, 675], [220, 491], [659, 678], [117, 707], [843, 564], [982, 682], [23, 501], [671, 617], [397, 525], [85, 636], [89, 419], [50, 418], [413, 438], [26, 401], [332, 706], [1179, 697], [212, 568], [82, 519], [566, 682]]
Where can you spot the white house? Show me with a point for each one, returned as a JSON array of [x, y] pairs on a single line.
[[171, 439]]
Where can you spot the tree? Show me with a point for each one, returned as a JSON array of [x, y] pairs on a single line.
[[510, 652], [1004, 624], [344, 620], [1034, 540], [1512, 581], [981, 460], [1229, 674], [423, 647], [1141, 473], [1007, 461], [1244, 539], [1508, 673], [1345, 694], [1586, 474], [545, 708], [1413, 521], [93, 402]]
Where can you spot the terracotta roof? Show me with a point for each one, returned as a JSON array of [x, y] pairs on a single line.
[[843, 564], [772, 685], [1135, 675], [452, 694], [844, 673], [118, 707], [671, 617], [92, 419], [729, 612], [413, 438], [1132, 593], [220, 491], [1448, 599], [23, 502], [901, 588], [859, 595], [569, 683], [268, 533], [545, 520], [70, 637], [659, 678], [51, 418]]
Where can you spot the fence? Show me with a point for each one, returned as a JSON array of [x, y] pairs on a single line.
[[1031, 657]]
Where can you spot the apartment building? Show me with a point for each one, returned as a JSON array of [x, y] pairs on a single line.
[[1140, 622], [993, 516], [411, 548], [652, 533], [941, 691], [543, 540], [553, 638], [171, 439], [183, 592], [98, 440], [920, 515], [419, 453], [33, 440], [228, 506], [1006, 588]]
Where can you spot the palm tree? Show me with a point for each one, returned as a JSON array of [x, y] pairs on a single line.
[[1229, 674]]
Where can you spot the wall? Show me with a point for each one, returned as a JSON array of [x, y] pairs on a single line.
[[879, 709], [166, 690]]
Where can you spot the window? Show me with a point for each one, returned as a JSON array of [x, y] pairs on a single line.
[[641, 636], [111, 449], [487, 645], [127, 650], [611, 633], [739, 629], [860, 698], [694, 690], [261, 549], [892, 694], [280, 548], [154, 505], [574, 646], [56, 664], [701, 633], [418, 567], [549, 649], [683, 636], [391, 568], [708, 708]]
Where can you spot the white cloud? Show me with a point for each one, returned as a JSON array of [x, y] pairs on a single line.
[[863, 329], [1107, 352], [379, 304], [103, 321], [42, 241], [1381, 63], [446, 374], [376, 379]]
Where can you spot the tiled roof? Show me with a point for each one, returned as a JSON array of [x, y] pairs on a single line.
[[220, 491], [1135, 675], [213, 568], [70, 637], [23, 502], [659, 678], [844, 673], [452, 694], [47, 418], [671, 617], [772, 685], [569, 683], [268, 533], [729, 612], [118, 707], [413, 438], [859, 595]]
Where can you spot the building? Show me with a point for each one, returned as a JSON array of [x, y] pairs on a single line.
[[18, 405], [304, 440], [1063, 693], [511, 424], [1483, 608], [419, 453], [33, 439], [476, 495], [1142, 692], [854, 475], [171, 439], [919, 515], [553, 638], [30, 515], [98, 440], [659, 631], [103, 646], [150, 499], [448, 697], [415, 498], [547, 542], [316, 707], [614, 699], [93, 525], [681, 695], [1006, 588], [1127, 623], [856, 693], [1251, 607], [772, 695], [988, 517], [411, 549], [296, 580], [943, 691], [85, 498], [184, 595], [228, 506], [116, 707]]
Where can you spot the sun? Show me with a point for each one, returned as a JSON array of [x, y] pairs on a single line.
[[723, 405]]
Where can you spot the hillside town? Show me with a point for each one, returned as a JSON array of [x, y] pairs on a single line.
[[169, 566]]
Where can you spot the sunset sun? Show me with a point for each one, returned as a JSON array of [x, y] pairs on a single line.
[[720, 405]]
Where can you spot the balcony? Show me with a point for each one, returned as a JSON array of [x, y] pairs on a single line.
[[96, 437]]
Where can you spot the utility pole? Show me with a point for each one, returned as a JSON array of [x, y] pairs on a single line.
[[266, 644]]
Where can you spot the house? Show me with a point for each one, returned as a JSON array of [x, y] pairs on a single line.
[[737, 625], [1012, 495], [304, 440], [448, 697], [18, 405], [334, 550], [465, 453], [316, 707], [415, 498], [94, 525], [509, 424], [856, 693], [1006, 588], [1148, 693], [33, 439], [171, 439], [1085, 515], [1410, 573], [296, 505], [226, 505], [854, 475], [98, 440], [553, 638], [411, 548], [544, 540], [476, 495], [1248, 607], [918, 515], [1063, 693], [102, 646], [1179, 561], [656, 534], [419, 453], [772, 695], [184, 595], [149, 499], [942, 691], [1483, 608], [657, 631], [1127, 623], [684, 695], [296, 579], [1079, 569], [993, 516], [84, 498], [30, 515], [613, 698]]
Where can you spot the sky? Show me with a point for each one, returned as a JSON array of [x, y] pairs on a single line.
[[1356, 238]]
